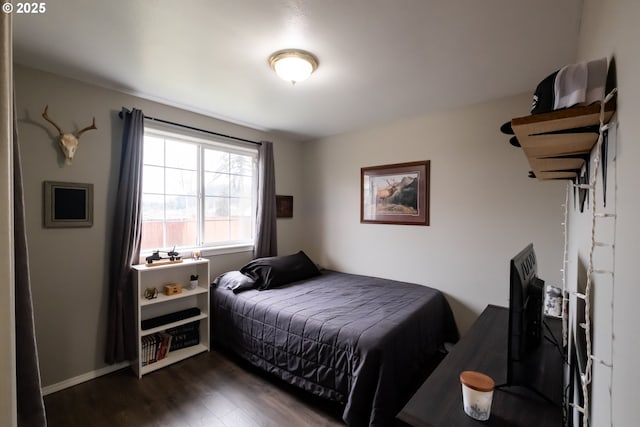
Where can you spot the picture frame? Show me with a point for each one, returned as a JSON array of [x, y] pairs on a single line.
[[67, 204], [395, 193], [284, 206]]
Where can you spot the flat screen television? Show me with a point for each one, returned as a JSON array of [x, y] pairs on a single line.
[[526, 295]]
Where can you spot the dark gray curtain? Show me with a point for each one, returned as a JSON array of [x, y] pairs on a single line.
[[29, 395], [266, 243], [125, 241]]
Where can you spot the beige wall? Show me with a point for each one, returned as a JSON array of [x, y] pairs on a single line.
[[610, 28], [69, 266], [484, 209]]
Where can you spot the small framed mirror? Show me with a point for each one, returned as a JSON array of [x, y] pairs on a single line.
[[68, 204]]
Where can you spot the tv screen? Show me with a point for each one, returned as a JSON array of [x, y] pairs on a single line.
[[526, 294]]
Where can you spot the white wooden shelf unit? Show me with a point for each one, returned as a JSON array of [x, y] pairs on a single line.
[[156, 277]]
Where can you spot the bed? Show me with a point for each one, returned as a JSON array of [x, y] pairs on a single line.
[[357, 340]]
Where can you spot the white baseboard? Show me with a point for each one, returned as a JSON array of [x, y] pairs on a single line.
[[83, 378]]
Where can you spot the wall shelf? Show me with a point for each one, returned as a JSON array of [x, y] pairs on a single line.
[[553, 151]]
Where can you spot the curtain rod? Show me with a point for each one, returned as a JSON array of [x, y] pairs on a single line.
[[197, 129]]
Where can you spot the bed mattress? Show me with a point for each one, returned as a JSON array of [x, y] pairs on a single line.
[[354, 339]]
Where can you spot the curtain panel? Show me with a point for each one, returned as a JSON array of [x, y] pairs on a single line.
[[125, 241], [266, 241], [31, 411]]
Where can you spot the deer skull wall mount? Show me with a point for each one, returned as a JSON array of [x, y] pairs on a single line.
[[68, 141]]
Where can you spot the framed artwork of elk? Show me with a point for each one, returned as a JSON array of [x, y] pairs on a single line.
[[395, 194]]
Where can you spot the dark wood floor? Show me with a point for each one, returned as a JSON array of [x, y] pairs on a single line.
[[205, 390]]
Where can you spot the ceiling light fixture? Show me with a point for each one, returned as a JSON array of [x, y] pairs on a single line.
[[293, 65]]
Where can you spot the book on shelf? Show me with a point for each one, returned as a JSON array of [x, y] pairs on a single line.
[[144, 353], [184, 335], [155, 347], [165, 344], [185, 339], [142, 349], [187, 327]]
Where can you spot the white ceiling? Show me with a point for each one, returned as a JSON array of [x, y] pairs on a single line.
[[380, 60]]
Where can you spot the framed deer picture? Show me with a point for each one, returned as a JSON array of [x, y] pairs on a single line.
[[395, 194]]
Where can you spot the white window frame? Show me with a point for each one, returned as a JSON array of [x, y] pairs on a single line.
[[204, 140]]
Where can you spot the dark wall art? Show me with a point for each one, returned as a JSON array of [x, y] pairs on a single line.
[[68, 204]]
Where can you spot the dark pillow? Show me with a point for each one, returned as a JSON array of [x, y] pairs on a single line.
[[276, 271]]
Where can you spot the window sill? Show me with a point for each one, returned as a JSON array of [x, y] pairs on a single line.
[[207, 251], [223, 250]]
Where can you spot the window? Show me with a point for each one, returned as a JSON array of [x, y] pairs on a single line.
[[197, 191]]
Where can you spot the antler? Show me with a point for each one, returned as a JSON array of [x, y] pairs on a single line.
[[93, 126], [46, 117]]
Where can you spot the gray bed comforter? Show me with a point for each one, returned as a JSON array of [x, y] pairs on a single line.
[[357, 340]]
